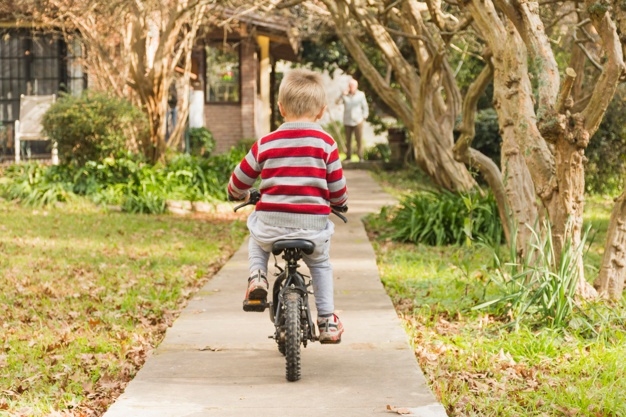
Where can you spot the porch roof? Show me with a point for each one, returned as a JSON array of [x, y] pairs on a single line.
[[284, 37]]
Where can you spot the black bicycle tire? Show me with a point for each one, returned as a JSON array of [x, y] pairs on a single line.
[[293, 335], [280, 334], [281, 337]]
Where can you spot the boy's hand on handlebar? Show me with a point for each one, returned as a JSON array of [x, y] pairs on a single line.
[[253, 196], [250, 197], [243, 198]]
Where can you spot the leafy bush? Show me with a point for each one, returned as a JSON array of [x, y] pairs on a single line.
[[378, 152], [487, 138], [444, 218], [197, 179], [201, 141], [95, 126], [606, 154], [35, 185], [136, 186]]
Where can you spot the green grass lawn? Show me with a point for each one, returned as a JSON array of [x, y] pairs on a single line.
[[86, 294], [474, 363]]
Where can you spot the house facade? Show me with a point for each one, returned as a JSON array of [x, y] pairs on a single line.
[[232, 96], [240, 79]]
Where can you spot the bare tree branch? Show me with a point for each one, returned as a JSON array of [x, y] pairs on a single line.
[[564, 101], [526, 19], [613, 70], [403, 70], [390, 96], [581, 46], [464, 153]]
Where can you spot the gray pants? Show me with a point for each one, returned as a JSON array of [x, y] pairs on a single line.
[[358, 135], [260, 245]]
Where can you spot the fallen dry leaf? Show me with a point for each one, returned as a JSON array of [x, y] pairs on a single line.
[[210, 348], [398, 410]]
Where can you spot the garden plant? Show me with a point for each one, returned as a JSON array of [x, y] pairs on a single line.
[[493, 336]]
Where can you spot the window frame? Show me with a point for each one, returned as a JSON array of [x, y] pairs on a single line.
[[211, 43], [27, 61]]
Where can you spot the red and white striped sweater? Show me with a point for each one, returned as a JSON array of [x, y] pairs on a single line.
[[301, 176]]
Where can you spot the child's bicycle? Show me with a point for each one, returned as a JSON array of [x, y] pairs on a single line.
[[289, 308]]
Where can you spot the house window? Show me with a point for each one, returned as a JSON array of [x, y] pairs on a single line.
[[33, 64], [76, 77], [222, 73]]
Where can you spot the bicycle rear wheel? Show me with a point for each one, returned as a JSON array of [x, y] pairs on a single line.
[[280, 326], [293, 334]]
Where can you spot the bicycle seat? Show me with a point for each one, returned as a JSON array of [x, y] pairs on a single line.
[[306, 246]]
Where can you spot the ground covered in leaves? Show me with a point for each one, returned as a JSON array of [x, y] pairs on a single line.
[[476, 363], [86, 295]]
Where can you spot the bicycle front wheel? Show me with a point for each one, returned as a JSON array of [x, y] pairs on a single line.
[[293, 334]]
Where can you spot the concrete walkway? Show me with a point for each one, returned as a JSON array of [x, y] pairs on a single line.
[[217, 360]]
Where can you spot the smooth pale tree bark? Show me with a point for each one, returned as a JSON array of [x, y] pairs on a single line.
[[612, 275], [427, 114], [162, 38], [550, 139], [513, 102], [610, 280]]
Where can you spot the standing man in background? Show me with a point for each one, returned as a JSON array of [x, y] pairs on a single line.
[[355, 111]]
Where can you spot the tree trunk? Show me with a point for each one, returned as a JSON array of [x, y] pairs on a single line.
[[522, 145], [432, 139], [156, 108], [610, 280], [432, 148], [529, 167], [567, 204], [133, 49], [517, 38]]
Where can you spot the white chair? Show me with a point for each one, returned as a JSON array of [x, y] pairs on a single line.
[[28, 126]]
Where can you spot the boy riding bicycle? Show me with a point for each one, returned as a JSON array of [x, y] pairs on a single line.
[[301, 178]]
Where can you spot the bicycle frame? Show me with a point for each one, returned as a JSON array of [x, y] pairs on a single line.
[[291, 280]]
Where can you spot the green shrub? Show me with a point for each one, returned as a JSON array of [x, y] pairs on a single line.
[[198, 179], [221, 167], [444, 218], [133, 184], [378, 152], [35, 185], [201, 141], [487, 138], [606, 154], [95, 126]]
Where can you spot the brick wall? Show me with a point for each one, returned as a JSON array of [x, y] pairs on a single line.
[[231, 123], [224, 121]]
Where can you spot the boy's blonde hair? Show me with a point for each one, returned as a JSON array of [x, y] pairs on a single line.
[[301, 93]]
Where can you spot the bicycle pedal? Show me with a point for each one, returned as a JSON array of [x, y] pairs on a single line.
[[255, 305]]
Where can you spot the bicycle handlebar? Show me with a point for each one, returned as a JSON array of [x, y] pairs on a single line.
[[338, 213], [255, 196]]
